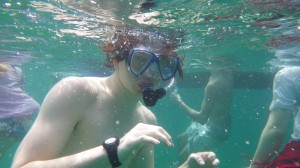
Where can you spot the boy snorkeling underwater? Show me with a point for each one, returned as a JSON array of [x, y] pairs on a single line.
[[101, 120]]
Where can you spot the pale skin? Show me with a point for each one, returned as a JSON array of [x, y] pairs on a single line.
[[78, 114], [4, 68], [215, 106], [272, 136]]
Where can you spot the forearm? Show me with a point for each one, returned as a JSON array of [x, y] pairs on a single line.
[[188, 110], [269, 143], [95, 156], [198, 116], [272, 136]]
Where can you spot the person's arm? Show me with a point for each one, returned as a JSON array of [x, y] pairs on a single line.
[[189, 111], [58, 116], [207, 104], [219, 85], [272, 137], [201, 159]]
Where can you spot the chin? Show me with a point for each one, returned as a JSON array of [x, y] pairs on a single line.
[[139, 91]]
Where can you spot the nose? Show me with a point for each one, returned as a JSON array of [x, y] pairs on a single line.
[[152, 71]]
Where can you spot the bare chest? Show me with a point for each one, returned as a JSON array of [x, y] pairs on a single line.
[[100, 123]]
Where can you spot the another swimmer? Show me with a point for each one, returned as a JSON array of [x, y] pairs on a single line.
[[211, 125], [284, 106], [16, 107]]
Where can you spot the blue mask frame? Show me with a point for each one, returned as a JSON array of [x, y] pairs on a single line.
[[155, 58]]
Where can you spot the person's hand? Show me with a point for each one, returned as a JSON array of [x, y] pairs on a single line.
[[140, 135], [201, 159]]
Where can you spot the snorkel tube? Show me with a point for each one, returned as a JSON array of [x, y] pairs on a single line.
[[151, 96]]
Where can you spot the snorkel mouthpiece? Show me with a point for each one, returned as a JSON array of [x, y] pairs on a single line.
[[151, 96]]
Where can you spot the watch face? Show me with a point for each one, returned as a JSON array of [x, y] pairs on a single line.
[[110, 140]]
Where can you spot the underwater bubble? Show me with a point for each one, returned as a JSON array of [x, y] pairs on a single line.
[[6, 4]]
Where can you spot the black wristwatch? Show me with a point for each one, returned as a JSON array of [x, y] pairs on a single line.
[[111, 147]]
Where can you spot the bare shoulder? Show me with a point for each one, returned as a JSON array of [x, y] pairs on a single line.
[[289, 72], [72, 92], [147, 115], [86, 85]]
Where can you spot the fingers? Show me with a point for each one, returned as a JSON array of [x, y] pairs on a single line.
[[212, 157], [205, 158], [164, 136], [198, 159], [149, 139], [151, 134], [159, 134], [216, 163]]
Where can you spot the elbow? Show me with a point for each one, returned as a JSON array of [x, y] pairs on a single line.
[[275, 132], [201, 119]]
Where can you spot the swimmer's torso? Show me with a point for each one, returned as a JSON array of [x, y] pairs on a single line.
[[103, 119]]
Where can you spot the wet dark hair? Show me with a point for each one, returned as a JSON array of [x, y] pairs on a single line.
[[123, 40]]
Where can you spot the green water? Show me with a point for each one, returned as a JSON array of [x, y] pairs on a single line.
[[49, 37]]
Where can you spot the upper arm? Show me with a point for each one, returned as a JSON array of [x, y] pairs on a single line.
[[58, 116], [147, 116], [278, 120], [209, 100]]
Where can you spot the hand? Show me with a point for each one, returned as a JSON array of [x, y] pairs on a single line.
[[140, 135], [201, 159]]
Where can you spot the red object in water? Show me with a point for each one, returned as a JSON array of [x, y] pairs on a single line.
[[289, 157]]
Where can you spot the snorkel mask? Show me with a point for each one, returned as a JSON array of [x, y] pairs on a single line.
[[143, 61]]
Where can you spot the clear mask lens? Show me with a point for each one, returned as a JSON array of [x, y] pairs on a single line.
[[140, 61], [168, 66]]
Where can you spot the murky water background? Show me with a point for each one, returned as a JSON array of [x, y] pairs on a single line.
[[52, 39]]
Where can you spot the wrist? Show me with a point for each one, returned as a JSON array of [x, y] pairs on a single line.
[[257, 164], [110, 145]]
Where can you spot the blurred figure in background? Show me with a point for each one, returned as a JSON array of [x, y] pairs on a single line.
[[16, 107], [284, 106], [211, 125]]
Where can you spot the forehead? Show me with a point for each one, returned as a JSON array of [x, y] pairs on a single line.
[[152, 48], [153, 41], [160, 52]]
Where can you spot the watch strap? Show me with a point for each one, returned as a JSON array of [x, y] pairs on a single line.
[[112, 153]]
